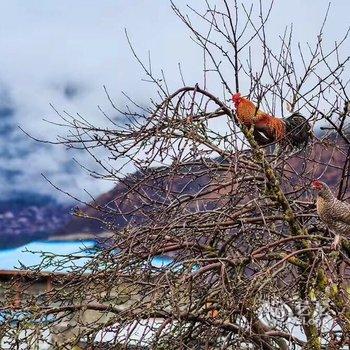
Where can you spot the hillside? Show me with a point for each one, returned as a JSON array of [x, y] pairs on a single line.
[[327, 163], [26, 216]]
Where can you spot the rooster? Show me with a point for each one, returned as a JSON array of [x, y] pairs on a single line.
[[333, 212], [294, 130]]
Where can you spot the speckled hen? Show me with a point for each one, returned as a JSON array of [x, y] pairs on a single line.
[[333, 212]]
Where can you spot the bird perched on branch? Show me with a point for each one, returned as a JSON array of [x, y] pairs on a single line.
[[333, 212], [294, 130]]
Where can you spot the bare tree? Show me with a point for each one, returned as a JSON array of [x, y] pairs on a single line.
[[249, 264]]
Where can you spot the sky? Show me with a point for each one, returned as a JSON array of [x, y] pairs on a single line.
[[62, 52]]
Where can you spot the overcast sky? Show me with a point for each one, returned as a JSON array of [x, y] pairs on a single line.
[[63, 52]]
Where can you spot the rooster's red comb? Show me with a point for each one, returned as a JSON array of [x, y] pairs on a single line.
[[236, 96]]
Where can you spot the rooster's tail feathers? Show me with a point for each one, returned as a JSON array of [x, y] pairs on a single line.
[[298, 130]]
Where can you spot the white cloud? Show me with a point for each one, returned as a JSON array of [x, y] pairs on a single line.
[[45, 45]]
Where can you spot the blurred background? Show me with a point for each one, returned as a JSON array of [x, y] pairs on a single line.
[[63, 53]]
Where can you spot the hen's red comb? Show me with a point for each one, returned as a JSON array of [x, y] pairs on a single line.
[[316, 183]]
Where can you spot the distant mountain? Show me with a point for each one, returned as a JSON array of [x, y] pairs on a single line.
[[26, 217], [29, 216], [327, 163]]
